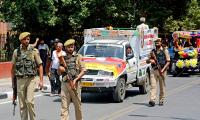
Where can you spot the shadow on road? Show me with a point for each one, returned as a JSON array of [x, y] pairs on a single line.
[[102, 98], [185, 74], [151, 116], [98, 98], [57, 100], [181, 75], [143, 104]]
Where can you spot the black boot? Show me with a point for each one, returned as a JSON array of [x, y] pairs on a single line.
[[151, 103], [161, 103]]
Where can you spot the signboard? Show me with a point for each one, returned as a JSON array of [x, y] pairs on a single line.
[[147, 38]]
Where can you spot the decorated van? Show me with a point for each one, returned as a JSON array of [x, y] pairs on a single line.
[[116, 59], [186, 51]]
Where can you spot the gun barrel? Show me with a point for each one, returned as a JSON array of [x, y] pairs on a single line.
[[14, 105]]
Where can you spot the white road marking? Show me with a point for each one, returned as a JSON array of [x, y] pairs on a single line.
[[10, 101]]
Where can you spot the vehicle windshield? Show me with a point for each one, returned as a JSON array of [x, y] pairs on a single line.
[[102, 50]]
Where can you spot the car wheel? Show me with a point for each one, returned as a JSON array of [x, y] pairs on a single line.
[[120, 90], [144, 89]]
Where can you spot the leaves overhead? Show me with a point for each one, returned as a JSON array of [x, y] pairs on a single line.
[[62, 16], [189, 21]]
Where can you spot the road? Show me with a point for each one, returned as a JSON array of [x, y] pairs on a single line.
[[182, 103]]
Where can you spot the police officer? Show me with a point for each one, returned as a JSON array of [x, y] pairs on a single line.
[[72, 72], [160, 60], [25, 61]]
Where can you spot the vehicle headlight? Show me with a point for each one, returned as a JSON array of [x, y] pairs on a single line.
[[105, 73]]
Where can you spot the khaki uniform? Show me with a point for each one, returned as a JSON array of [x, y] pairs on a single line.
[[156, 77], [68, 95], [26, 86]]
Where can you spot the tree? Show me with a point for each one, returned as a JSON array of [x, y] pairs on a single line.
[[189, 21], [56, 16]]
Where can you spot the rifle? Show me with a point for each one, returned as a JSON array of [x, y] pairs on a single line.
[[158, 66], [14, 86], [70, 78]]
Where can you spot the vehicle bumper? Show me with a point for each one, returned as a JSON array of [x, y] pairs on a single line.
[[97, 89], [97, 86]]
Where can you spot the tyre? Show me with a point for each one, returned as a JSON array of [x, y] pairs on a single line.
[[144, 89], [172, 67], [177, 72], [119, 91]]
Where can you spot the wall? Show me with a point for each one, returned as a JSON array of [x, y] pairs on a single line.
[[5, 69]]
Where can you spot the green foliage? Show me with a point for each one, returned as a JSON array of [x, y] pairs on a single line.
[[60, 17], [45, 15], [190, 21], [171, 25]]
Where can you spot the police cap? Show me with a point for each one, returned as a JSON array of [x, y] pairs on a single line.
[[158, 40], [69, 42], [23, 35]]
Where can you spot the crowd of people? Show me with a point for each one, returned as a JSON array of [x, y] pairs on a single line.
[[56, 62], [64, 68]]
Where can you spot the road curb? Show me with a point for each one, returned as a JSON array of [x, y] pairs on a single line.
[[4, 95]]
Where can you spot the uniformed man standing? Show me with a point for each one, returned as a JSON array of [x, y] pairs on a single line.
[[72, 72], [25, 61], [160, 60]]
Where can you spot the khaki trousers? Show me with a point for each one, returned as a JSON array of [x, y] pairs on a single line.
[[25, 92], [155, 78], [68, 95]]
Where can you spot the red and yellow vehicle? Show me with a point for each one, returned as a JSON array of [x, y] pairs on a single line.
[[116, 59]]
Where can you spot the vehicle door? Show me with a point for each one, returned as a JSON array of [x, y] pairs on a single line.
[[131, 63]]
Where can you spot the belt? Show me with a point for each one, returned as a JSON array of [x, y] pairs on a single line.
[[26, 76], [155, 68], [68, 81]]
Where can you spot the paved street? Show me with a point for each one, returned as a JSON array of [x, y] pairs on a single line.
[[182, 103]]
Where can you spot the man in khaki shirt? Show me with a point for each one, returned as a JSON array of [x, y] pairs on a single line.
[[70, 89], [160, 60], [25, 61]]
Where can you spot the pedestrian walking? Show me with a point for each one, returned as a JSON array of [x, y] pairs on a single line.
[[160, 60], [25, 61], [44, 52], [53, 71], [72, 71]]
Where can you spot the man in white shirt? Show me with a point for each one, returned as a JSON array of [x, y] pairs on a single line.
[[142, 26], [141, 29], [53, 73]]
